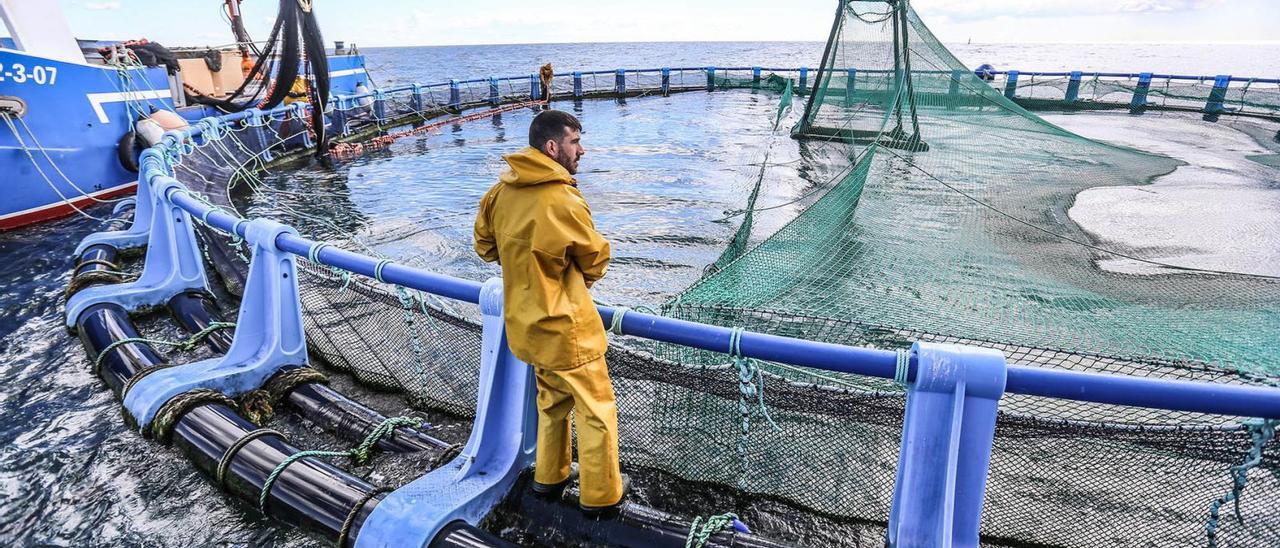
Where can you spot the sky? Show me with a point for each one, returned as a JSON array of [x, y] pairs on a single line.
[[444, 22]]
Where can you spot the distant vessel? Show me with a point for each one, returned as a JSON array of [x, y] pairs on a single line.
[[70, 107]]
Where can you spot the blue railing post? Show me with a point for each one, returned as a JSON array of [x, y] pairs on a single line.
[[1073, 87], [577, 84], [946, 446], [494, 97], [1011, 84], [804, 80], [1139, 101], [850, 85], [1218, 95], [953, 88], [173, 262], [711, 78], [416, 101], [269, 335], [501, 446], [339, 113], [379, 105], [755, 76], [299, 112], [535, 90], [666, 81], [455, 95], [620, 82], [151, 164]]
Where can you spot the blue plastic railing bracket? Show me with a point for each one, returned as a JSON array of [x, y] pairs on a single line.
[[803, 88], [259, 124], [416, 100], [711, 78], [268, 337], [501, 446], [300, 113], [535, 90], [1139, 101], [755, 76], [379, 105], [1218, 95], [850, 86], [1073, 86], [494, 96], [151, 164], [620, 82], [1011, 84], [339, 113], [173, 263], [577, 84], [954, 87], [455, 95], [666, 81], [946, 446]]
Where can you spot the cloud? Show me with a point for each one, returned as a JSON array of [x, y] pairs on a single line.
[[985, 9], [98, 6]]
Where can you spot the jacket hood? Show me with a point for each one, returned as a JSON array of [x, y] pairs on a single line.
[[529, 166]]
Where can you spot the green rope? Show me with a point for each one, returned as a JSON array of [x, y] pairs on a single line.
[[699, 536], [750, 386], [407, 301], [181, 346], [902, 368], [1261, 431], [359, 454]]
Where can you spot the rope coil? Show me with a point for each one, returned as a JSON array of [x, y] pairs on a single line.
[[902, 368], [699, 536]]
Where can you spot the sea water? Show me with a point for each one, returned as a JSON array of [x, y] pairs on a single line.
[[71, 473]]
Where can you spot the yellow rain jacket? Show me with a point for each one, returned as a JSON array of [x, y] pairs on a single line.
[[537, 225]]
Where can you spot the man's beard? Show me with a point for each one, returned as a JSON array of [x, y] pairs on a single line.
[[567, 162]]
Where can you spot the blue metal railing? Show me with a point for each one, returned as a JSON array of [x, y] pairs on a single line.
[[941, 378]]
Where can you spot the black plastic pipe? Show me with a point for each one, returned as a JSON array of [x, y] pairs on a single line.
[[559, 521], [316, 402], [310, 493], [459, 534]]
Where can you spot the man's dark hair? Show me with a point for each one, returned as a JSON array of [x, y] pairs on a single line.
[[551, 125]]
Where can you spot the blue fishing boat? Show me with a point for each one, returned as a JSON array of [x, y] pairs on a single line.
[[69, 141]]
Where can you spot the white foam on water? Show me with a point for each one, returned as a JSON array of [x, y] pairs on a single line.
[[1221, 211]]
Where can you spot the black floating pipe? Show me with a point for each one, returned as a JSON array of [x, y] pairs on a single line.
[[559, 521], [193, 310], [228, 266], [318, 403], [309, 493], [459, 534]]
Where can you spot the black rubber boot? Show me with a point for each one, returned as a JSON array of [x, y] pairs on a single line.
[[551, 490], [612, 509]]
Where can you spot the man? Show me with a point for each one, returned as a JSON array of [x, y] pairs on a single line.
[[538, 227], [545, 74]]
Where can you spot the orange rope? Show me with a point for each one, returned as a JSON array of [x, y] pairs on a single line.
[[345, 151]]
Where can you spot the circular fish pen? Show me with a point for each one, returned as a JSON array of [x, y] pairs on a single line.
[[886, 198]]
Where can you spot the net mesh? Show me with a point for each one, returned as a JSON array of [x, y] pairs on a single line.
[[944, 216]]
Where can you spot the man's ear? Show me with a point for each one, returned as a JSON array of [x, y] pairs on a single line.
[[550, 147]]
